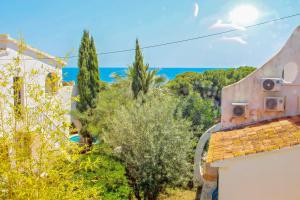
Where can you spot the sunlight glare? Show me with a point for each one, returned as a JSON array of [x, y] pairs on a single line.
[[244, 15]]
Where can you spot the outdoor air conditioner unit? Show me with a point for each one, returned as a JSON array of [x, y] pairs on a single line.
[[274, 104], [239, 109], [271, 84]]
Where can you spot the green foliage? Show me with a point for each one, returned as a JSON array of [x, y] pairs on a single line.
[[201, 97], [83, 75], [136, 71], [94, 70], [146, 130], [51, 83], [201, 112], [88, 77], [101, 171], [152, 136], [238, 74], [147, 134], [108, 103], [202, 93], [103, 86], [37, 160], [136, 125], [182, 84], [142, 78], [209, 84]]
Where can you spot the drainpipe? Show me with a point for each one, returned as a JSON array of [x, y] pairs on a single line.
[[198, 174]]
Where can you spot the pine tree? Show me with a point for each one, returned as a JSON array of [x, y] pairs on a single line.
[[83, 76], [93, 71]]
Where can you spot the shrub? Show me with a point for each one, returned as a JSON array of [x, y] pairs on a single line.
[[154, 145], [101, 171], [37, 160]]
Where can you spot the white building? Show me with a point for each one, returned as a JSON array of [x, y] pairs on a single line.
[[254, 151], [23, 68]]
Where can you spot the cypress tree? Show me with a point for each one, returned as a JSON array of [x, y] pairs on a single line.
[[83, 75], [142, 77], [93, 71], [138, 66]]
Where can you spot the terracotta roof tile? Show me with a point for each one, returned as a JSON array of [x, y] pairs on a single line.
[[261, 137]]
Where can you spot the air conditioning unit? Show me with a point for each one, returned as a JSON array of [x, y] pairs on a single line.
[[271, 84], [274, 104], [239, 109]]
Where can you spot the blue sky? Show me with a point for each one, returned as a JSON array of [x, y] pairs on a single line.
[[56, 27]]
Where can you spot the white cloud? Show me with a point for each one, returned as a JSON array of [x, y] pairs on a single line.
[[235, 39], [196, 9], [220, 25]]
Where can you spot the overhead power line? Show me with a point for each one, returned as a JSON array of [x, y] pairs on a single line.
[[202, 36], [183, 40]]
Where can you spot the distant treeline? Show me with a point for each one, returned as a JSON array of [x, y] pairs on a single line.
[[208, 84]]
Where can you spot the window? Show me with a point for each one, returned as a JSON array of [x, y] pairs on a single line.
[[3, 51], [51, 83], [18, 87]]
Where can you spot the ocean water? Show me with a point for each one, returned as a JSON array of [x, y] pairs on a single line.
[[70, 73]]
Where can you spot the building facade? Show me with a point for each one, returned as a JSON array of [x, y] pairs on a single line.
[[254, 152], [29, 80]]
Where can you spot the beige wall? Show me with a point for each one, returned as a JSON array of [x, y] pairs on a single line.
[[267, 176], [249, 89]]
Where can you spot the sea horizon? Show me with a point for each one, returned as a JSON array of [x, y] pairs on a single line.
[[155, 67], [70, 73]]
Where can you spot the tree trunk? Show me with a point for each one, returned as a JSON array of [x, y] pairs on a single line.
[[137, 192], [151, 195]]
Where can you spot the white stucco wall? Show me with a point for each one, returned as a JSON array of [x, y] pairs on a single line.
[[266, 176], [249, 89], [30, 60]]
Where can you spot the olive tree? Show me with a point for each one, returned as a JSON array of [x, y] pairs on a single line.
[[152, 143]]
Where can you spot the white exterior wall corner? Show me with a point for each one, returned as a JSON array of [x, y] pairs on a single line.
[[271, 175], [248, 90]]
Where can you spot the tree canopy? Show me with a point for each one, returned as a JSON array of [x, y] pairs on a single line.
[[147, 134], [208, 84]]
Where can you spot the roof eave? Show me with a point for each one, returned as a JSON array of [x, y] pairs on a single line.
[[40, 55]]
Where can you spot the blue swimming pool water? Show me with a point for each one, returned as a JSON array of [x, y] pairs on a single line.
[[75, 138]]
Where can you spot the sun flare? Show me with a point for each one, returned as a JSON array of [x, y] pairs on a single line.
[[244, 15]]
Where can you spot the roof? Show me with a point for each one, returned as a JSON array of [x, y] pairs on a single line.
[[39, 54], [260, 137]]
